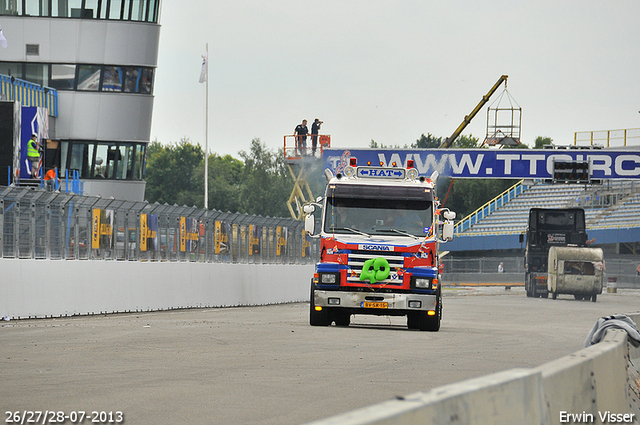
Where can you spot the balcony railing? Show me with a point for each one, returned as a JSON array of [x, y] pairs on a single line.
[[29, 94]]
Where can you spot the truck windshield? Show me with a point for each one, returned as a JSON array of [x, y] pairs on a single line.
[[557, 220], [378, 216]]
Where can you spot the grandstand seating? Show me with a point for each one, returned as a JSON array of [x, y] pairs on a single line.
[[614, 204]]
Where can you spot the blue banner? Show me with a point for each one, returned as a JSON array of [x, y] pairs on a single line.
[[491, 163], [29, 127], [153, 239]]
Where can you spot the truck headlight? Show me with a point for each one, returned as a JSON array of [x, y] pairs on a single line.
[[423, 282], [329, 278]]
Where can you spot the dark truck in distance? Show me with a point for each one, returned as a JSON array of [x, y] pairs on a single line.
[[549, 227]]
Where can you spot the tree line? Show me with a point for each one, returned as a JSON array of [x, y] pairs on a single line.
[[259, 182]]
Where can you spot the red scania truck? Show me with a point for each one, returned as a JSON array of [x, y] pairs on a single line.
[[381, 227]]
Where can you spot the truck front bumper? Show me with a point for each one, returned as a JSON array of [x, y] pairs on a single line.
[[539, 283], [375, 303]]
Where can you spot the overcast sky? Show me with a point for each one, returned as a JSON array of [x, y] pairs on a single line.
[[393, 70]]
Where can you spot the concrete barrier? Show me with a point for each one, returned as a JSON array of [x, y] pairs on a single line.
[[51, 288], [599, 380], [599, 384]]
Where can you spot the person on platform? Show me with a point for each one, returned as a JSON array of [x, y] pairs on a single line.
[[33, 154], [300, 133], [315, 128]]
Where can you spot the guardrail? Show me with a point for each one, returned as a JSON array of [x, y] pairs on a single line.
[[599, 384], [489, 207], [295, 149], [608, 138], [29, 94], [40, 224]]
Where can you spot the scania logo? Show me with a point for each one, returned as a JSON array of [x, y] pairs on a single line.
[[375, 247]]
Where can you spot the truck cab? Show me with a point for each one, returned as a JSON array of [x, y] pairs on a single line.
[[549, 227], [380, 233]]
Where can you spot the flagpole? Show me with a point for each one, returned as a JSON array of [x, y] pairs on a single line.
[[206, 136]]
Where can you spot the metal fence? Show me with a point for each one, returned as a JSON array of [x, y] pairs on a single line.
[[623, 267], [40, 224]]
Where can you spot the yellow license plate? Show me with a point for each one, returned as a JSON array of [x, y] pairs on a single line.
[[366, 304]]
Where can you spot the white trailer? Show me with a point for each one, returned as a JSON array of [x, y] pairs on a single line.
[[576, 271]]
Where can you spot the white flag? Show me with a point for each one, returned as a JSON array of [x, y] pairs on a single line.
[[3, 41], [205, 72]]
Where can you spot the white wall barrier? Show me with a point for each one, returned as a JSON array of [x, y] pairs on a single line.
[[596, 385], [56, 288]]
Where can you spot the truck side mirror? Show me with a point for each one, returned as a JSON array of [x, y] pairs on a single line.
[[448, 215], [521, 238], [447, 231], [447, 227], [310, 223]]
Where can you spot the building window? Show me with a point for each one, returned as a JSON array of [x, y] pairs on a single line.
[[153, 11], [89, 77], [66, 9], [147, 80], [91, 8], [112, 80], [132, 80], [37, 73], [78, 159], [62, 77], [36, 8], [104, 160], [138, 9], [12, 69], [128, 10], [138, 161], [11, 7], [115, 9], [100, 169]]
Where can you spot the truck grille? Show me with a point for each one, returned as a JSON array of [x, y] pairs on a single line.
[[357, 259]]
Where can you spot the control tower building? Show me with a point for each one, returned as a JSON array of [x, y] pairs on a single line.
[[101, 57]]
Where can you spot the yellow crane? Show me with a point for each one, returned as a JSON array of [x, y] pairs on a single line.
[[467, 119]]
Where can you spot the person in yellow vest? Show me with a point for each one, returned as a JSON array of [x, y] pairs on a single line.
[[33, 154]]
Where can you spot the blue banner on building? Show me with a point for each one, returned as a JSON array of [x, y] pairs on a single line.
[[35, 120], [492, 163]]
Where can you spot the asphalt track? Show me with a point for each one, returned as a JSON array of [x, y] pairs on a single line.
[[266, 365]]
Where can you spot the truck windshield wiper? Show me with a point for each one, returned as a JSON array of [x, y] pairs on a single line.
[[352, 230], [402, 232]]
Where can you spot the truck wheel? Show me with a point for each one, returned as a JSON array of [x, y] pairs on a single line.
[[554, 295], [431, 323], [341, 318], [417, 320], [577, 297], [317, 318], [422, 321], [594, 298]]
